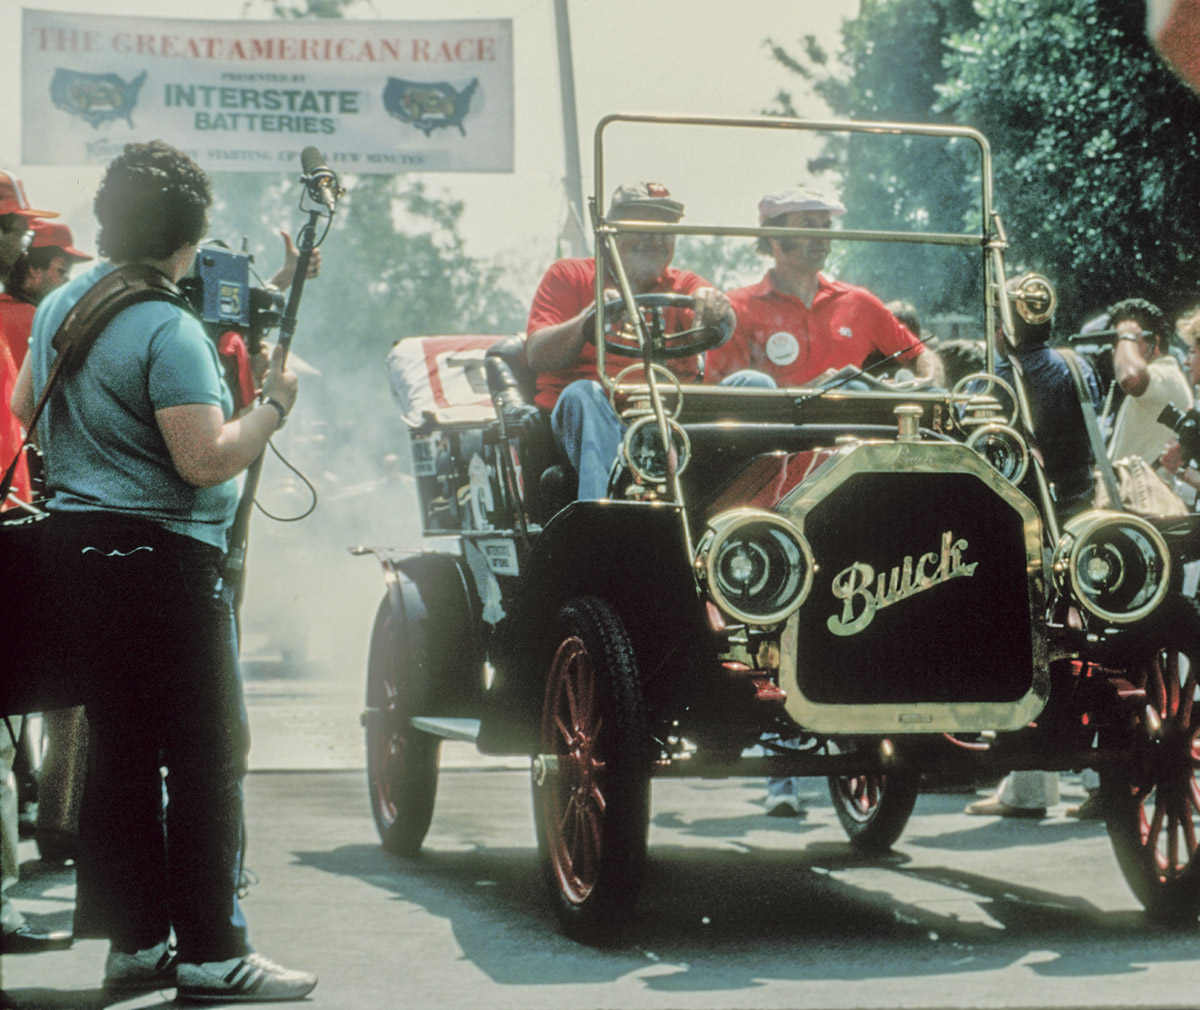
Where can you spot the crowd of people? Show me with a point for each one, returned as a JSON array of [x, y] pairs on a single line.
[[140, 446]]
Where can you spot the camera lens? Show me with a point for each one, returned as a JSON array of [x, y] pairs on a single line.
[[1171, 416]]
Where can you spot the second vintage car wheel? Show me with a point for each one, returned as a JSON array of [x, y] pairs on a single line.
[[1152, 803], [873, 808], [591, 785], [402, 762]]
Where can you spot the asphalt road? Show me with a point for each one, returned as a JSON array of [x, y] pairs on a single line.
[[739, 910]]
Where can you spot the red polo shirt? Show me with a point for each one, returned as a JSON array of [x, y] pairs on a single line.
[[778, 334], [16, 320], [566, 289], [10, 428]]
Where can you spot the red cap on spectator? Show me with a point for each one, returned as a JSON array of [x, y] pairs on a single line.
[[12, 199], [52, 235]]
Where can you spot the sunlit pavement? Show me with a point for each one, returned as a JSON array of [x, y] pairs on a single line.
[[739, 910]]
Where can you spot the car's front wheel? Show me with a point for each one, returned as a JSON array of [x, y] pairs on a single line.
[[591, 782]]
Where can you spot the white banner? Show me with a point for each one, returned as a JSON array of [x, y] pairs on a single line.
[[372, 96]]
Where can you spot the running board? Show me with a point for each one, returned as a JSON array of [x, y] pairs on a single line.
[[448, 729]]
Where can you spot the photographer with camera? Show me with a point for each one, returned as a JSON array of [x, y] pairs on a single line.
[[1182, 454], [1150, 377], [142, 450]]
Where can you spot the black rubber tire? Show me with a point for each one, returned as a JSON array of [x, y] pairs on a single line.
[[1151, 804], [592, 817], [874, 809], [402, 763]]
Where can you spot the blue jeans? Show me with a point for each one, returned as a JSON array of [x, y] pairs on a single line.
[[589, 432], [152, 633]]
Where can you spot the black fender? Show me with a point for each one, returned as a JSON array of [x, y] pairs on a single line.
[[635, 556], [429, 596]]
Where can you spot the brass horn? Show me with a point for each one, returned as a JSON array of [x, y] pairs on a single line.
[[1033, 297]]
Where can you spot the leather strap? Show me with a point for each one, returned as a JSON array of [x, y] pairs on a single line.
[[111, 294], [1103, 463]]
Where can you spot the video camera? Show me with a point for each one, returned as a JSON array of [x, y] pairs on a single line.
[[219, 288], [1185, 424]]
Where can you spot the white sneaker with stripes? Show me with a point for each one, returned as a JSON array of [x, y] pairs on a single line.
[[249, 979]]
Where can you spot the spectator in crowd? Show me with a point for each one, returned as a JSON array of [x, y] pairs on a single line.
[[796, 325], [960, 358], [17, 935], [1188, 328], [1150, 378], [557, 342], [142, 456], [46, 264], [1062, 439]]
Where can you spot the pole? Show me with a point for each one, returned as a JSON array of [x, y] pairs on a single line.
[[573, 179]]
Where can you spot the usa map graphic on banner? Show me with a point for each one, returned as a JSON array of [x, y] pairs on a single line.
[[374, 96]]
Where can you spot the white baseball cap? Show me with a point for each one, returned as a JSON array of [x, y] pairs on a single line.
[[789, 201]]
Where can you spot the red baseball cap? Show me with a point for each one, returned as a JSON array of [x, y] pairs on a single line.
[[12, 199], [53, 235]]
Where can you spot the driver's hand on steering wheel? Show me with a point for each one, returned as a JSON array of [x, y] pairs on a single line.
[[713, 309]]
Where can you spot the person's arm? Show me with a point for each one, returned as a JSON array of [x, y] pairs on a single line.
[[1132, 370], [291, 256], [1173, 462], [208, 450], [22, 403], [556, 347], [928, 367]]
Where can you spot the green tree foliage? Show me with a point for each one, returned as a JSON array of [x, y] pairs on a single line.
[[889, 69], [1094, 144]]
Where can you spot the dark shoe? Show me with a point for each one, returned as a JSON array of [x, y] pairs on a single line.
[[1089, 810], [27, 939], [141, 971], [993, 807]]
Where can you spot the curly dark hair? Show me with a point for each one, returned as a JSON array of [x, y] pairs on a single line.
[[153, 200], [1146, 314]]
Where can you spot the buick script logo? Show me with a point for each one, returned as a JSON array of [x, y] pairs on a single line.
[[428, 107], [864, 592], [95, 98]]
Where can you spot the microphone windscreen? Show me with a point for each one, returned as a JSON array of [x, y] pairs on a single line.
[[311, 160]]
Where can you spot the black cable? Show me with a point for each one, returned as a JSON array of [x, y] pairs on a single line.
[[307, 483]]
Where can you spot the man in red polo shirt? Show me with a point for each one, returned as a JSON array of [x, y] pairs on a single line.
[[796, 324], [45, 265], [557, 343]]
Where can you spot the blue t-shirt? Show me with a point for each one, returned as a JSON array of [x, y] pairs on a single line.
[[1058, 419], [103, 447]]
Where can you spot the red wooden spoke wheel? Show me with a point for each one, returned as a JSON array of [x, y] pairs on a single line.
[[1152, 802], [402, 762], [591, 780]]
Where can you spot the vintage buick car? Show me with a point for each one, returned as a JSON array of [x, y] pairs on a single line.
[[868, 585]]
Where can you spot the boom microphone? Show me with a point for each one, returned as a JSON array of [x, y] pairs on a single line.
[[321, 180]]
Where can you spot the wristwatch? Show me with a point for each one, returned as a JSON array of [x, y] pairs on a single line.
[[270, 401]]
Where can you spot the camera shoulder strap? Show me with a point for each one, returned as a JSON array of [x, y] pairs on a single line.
[[1102, 462], [115, 291]]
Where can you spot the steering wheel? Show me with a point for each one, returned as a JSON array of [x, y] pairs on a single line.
[[620, 337]]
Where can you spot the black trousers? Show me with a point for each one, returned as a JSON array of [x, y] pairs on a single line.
[[145, 622]]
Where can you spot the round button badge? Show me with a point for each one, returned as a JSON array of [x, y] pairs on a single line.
[[782, 348]]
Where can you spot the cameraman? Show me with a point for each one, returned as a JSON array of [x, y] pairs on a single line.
[[141, 452]]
